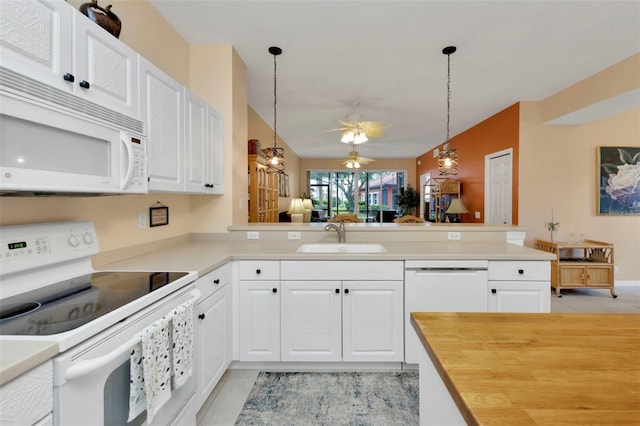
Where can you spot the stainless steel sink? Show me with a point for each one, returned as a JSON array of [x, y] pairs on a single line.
[[341, 248]]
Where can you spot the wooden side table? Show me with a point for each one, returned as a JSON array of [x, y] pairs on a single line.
[[586, 264]]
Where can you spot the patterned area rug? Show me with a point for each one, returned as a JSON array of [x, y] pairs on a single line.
[[337, 398]]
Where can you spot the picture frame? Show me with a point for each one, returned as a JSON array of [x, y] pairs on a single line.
[[158, 216], [283, 185], [618, 190]]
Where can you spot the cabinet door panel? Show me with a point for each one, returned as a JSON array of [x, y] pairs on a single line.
[[532, 297], [311, 321], [572, 276], [215, 154], [599, 275], [372, 321], [36, 37], [195, 143], [259, 320], [108, 65], [163, 111], [213, 330]]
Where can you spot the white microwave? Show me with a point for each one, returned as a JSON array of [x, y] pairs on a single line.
[[47, 150]]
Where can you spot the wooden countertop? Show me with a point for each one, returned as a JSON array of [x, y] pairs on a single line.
[[537, 368]]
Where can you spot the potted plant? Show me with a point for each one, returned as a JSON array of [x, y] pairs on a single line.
[[407, 201]]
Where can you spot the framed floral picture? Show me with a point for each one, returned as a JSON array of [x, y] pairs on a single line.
[[618, 180]]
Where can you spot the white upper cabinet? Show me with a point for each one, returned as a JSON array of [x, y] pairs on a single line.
[[48, 43], [203, 146], [184, 136], [162, 108]]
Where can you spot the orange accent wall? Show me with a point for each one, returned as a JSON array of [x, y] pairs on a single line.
[[496, 133]]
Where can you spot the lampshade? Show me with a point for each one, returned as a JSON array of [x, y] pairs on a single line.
[[456, 207], [296, 210], [308, 205]]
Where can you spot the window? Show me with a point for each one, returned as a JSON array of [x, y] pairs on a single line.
[[335, 192]]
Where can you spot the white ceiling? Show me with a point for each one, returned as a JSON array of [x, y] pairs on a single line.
[[387, 57]]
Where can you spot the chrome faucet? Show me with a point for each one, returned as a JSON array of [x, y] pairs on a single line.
[[339, 228]]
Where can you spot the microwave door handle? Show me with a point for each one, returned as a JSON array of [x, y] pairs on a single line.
[[130, 162], [84, 367]]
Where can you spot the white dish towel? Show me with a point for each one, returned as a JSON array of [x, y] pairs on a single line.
[[150, 388], [182, 344]]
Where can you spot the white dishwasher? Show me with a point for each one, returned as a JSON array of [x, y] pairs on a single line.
[[441, 286]]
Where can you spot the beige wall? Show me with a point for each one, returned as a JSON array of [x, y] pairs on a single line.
[[558, 167], [259, 129]]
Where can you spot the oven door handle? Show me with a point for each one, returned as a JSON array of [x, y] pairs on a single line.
[[85, 367]]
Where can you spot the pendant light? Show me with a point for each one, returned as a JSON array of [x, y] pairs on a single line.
[[448, 158], [275, 155]]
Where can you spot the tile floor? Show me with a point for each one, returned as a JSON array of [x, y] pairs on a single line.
[[226, 401]]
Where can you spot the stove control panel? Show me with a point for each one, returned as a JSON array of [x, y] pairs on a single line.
[[25, 247]]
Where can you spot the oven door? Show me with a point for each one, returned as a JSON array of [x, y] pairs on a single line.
[[91, 380]]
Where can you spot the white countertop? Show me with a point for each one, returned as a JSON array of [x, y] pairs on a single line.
[[203, 254]]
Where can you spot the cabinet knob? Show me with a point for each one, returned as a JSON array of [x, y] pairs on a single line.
[[275, 290], [494, 291], [521, 271], [201, 316], [216, 281], [346, 291], [69, 77], [337, 291], [84, 84], [258, 271]]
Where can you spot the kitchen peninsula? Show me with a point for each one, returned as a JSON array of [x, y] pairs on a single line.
[[496, 369]]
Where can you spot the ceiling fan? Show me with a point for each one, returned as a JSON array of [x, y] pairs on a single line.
[[355, 161], [357, 132]]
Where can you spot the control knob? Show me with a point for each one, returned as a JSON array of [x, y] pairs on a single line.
[[73, 240], [88, 238]]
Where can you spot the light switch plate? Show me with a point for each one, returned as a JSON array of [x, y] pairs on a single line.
[[294, 235], [477, 215], [453, 235], [253, 235]]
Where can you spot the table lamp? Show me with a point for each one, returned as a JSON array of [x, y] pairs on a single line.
[[308, 206], [296, 210], [456, 208]]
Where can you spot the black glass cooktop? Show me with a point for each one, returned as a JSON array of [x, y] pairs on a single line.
[[69, 304]]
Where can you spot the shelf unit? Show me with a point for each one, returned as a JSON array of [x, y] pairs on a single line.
[[441, 191], [263, 191], [586, 264]]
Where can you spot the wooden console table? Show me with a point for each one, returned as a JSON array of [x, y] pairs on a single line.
[[586, 264]]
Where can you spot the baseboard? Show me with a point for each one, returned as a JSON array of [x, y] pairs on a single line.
[[627, 283], [317, 366]]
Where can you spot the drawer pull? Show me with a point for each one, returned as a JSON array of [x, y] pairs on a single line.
[[337, 291], [84, 84], [258, 271], [275, 290], [521, 271], [201, 316], [69, 77], [216, 281], [494, 291], [346, 291]]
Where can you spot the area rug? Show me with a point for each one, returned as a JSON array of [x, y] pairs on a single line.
[[335, 398]]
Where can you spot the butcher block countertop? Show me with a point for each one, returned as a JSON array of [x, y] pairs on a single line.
[[537, 368]]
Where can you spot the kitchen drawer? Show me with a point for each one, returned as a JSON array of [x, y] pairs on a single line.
[[258, 270], [214, 280], [343, 270], [515, 270]]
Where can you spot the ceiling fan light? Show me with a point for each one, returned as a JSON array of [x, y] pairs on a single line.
[[359, 138], [356, 165], [348, 137]]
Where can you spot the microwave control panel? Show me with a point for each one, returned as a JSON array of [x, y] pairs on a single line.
[[138, 181]]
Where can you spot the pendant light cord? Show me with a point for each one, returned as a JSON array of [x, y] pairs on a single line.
[[448, 92], [275, 102]]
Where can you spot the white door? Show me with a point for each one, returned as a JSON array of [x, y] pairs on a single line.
[[498, 187], [372, 321], [259, 324], [424, 195], [163, 111], [311, 321]]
